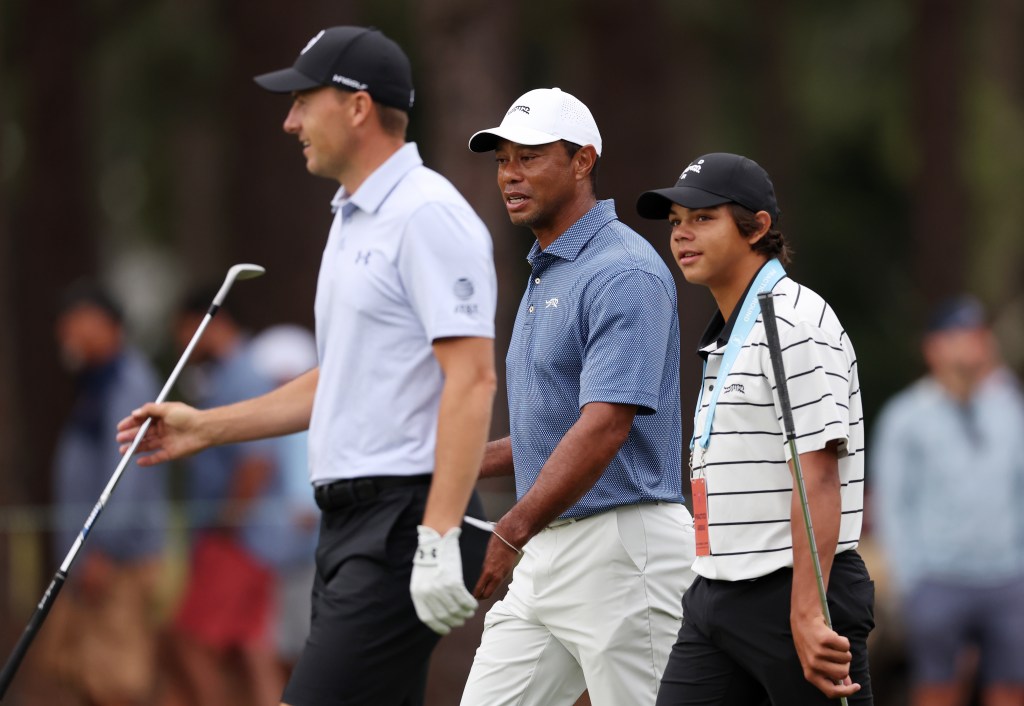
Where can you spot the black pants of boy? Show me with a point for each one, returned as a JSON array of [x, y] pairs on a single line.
[[366, 647], [735, 647]]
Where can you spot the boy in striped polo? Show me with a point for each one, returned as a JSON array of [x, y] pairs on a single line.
[[753, 630]]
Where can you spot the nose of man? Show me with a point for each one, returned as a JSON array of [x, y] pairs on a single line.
[[291, 122]]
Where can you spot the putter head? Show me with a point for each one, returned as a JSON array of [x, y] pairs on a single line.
[[241, 271]]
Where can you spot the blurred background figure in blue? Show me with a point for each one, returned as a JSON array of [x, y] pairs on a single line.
[[948, 478], [283, 527], [220, 643], [100, 638]]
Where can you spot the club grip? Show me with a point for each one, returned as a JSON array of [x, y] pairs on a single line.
[[34, 623], [771, 330]]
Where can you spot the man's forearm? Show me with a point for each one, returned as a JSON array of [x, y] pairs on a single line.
[[572, 469], [284, 410], [463, 423], [497, 459]]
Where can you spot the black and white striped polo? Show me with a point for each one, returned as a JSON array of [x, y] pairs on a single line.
[[748, 481]]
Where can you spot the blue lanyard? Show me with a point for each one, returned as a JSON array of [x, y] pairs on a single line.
[[766, 279]]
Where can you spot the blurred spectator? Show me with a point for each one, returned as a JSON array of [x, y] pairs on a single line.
[[100, 639], [221, 640], [283, 529], [948, 475]]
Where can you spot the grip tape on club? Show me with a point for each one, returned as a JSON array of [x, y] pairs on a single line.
[[34, 623]]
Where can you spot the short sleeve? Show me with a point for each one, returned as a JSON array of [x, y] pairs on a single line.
[[818, 375], [446, 263], [629, 325]]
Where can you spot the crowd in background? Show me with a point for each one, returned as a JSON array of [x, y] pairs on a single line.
[[239, 612], [226, 619]]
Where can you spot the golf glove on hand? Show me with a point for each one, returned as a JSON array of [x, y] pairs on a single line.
[[440, 597]]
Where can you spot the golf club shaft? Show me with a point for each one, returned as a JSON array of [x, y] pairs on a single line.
[[771, 329], [50, 595]]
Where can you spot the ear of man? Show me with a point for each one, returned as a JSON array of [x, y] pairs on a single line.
[[583, 161], [361, 108]]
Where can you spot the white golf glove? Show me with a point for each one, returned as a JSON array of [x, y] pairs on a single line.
[[440, 597]]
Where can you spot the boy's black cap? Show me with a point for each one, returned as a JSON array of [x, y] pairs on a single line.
[[711, 180], [352, 59]]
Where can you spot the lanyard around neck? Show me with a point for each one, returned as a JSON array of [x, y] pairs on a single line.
[[766, 279]]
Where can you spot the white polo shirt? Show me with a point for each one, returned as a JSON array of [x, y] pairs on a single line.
[[407, 262], [749, 484]]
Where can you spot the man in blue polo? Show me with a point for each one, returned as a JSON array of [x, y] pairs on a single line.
[[602, 539]]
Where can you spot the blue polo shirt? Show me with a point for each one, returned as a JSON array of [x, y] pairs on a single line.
[[598, 323], [210, 473]]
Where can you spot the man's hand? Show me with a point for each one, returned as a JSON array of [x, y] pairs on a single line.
[[175, 432], [498, 564], [440, 597], [825, 656]]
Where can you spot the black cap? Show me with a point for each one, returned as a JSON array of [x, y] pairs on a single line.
[[957, 313], [352, 59], [85, 292], [712, 180]]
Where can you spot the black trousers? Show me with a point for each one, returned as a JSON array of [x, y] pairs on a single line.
[[366, 646], [735, 647]]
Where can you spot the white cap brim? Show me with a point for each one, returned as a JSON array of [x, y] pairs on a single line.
[[486, 140]]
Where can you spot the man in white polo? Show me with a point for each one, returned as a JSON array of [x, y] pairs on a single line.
[[593, 392], [754, 629], [399, 407]]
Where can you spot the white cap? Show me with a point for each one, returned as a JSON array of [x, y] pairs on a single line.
[[541, 116], [284, 352]]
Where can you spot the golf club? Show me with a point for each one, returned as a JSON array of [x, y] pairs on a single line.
[[771, 329], [237, 272]]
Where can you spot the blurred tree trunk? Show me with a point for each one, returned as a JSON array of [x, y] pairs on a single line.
[[9, 429], [997, 157], [276, 213], [940, 195], [52, 237], [774, 119], [464, 84], [47, 239]]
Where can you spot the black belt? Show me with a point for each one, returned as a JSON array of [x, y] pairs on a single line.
[[342, 493]]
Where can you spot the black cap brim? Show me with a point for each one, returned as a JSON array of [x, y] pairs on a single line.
[[285, 81], [656, 204]]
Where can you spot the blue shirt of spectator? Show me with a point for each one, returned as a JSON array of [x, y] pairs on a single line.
[[210, 472], [133, 524]]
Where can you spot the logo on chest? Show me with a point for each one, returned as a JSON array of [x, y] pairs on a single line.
[[735, 387], [551, 303]]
